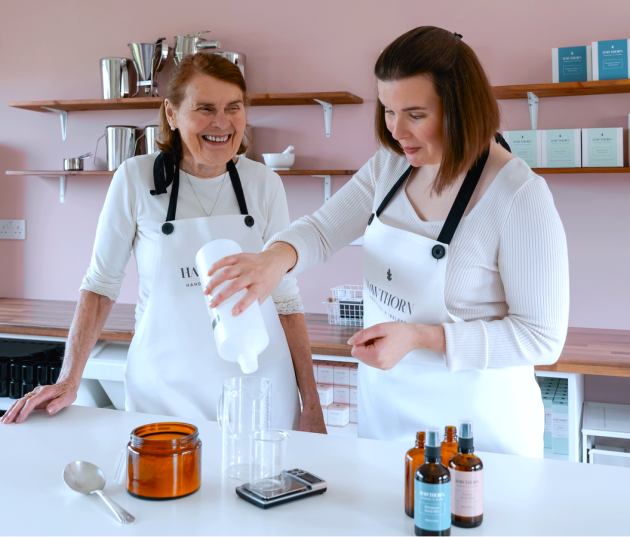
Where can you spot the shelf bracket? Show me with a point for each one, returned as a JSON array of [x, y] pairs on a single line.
[[327, 115], [62, 186], [63, 115], [532, 100], [327, 186]]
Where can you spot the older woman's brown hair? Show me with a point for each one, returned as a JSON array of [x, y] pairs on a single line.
[[196, 64], [471, 112]]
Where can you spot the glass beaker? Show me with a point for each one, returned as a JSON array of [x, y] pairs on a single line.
[[266, 470], [244, 407]]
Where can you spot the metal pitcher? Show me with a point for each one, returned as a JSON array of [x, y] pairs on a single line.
[[244, 407], [237, 58], [114, 78], [150, 135], [148, 59], [120, 143], [191, 44]]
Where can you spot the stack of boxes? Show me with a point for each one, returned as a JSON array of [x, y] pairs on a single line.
[[337, 389], [555, 395]]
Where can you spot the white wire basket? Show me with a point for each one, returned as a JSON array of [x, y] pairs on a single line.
[[345, 307]]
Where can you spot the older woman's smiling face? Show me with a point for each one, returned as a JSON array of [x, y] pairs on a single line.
[[211, 120]]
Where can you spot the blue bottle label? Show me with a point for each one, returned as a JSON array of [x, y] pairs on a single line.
[[432, 510]]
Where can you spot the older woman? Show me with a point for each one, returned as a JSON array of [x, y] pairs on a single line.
[[466, 284], [165, 207]]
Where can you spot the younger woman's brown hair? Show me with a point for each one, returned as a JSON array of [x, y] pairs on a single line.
[[471, 112], [189, 66]]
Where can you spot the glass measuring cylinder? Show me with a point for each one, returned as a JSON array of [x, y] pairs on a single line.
[[267, 470]]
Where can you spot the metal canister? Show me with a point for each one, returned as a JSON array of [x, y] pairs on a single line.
[[120, 143]]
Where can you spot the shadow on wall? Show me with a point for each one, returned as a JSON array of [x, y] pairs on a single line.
[[12, 200]]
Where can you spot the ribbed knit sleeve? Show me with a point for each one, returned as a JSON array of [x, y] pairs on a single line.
[[340, 221], [533, 266]]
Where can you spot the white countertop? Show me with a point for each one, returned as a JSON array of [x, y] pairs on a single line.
[[365, 487]]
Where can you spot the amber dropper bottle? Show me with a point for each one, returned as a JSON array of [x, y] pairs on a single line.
[[449, 445], [413, 459], [432, 497], [467, 481]]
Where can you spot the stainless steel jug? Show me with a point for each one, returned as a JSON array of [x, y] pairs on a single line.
[[148, 59], [191, 44], [237, 58], [150, 136], [120, 143], [114, 78]]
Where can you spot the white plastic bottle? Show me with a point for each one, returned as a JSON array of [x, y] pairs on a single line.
[[242, 338]]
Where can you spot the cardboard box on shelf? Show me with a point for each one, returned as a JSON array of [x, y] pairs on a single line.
[[561, 148], [526, 145], [342, 374], [325, 412], [326, 394], [354, 369], [341, 394], [354, 396], [610, 59], [325, 373], [572, 64], [338, 415], [354, 414], [602, 148]]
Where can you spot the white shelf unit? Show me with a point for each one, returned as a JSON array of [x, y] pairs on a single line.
[[608, 421], [576, 399]]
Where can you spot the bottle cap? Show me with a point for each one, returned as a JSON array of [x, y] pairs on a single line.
[[248, 363], [432, 443], [465, 444], [4, 388], [15, 390], [54, 374], [43, 374], [4, 370], [28, 372]]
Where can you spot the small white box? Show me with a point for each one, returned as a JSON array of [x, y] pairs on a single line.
[[341, 394], [325, 373], [342, 374], [354, 414], [338, 415], [325, 392], [325, 413], [354, 369], [561, 148], [354, 396]]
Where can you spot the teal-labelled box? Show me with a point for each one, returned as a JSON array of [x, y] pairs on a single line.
[[572, 64], [547, 404], [602, 148], [560, 427], [610, 59], [526, 145]]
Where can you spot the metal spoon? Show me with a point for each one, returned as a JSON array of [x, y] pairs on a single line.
[[87, 478]]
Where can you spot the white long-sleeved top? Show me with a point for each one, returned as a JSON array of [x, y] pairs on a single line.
[[132, 218], [507, 275]]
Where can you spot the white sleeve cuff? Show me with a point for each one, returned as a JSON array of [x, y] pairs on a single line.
[[288, 305], [110, 291], [300, 246]]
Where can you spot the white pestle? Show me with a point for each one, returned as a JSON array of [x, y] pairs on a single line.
[[288, 150]]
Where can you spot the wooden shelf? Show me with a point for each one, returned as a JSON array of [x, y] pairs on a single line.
[[563, 89], [152, 103], [548, 171], [60, 173]]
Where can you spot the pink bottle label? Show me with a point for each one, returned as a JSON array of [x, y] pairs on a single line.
[[467, 493]]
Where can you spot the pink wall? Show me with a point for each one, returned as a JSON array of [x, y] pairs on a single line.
[[50, 50]]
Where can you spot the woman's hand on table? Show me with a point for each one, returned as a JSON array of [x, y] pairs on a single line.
[[52, 398], [260, 274], [384, 345], [312, 418]]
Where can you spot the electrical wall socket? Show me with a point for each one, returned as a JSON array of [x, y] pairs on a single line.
[[13, 229]]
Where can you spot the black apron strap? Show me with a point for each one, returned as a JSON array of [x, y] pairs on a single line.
[[393, 191], [501, 141], [461, 201], [236, 185]]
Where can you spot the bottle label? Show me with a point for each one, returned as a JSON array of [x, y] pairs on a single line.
[[432, 510], [467, 493]]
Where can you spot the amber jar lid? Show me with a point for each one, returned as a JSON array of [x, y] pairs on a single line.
[[168, 436]]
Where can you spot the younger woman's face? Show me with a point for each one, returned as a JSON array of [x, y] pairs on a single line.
[[414, 116]]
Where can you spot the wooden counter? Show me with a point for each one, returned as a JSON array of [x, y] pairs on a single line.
[[587, 350]]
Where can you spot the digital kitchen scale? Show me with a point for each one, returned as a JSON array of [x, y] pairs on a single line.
[[300, 484]]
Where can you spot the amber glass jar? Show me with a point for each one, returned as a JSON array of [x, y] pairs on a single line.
[[413, 459], [164, 461]]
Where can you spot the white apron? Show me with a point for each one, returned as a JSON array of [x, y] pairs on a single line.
[[404, 281], [173, 366]]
